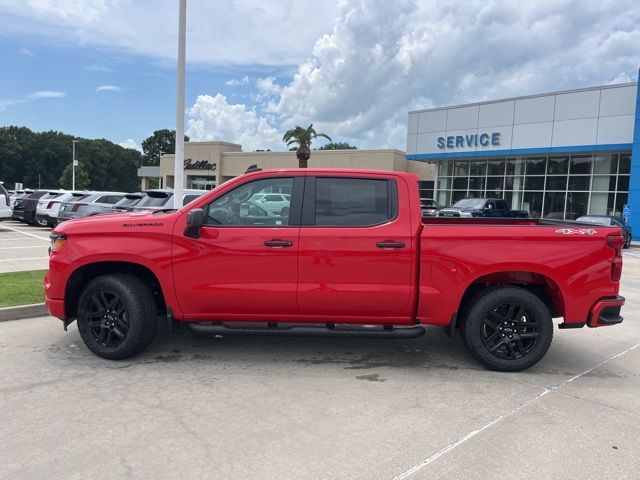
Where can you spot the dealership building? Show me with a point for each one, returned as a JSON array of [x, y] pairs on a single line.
[[558, 155]]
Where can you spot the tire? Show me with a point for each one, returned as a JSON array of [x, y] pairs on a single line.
[[117, 316], [507, 328], [627, 241], [284, 212]]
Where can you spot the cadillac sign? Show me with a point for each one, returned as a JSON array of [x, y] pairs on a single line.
[[199, 165]]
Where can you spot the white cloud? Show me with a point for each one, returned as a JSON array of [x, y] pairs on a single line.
[[234, 82], [97, 68], [213, 118], [108, 88], [277, 32], [130, 143], [26, 52], [47, 94]]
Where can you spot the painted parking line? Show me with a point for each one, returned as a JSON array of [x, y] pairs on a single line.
[[21, 259], [46, 239], [23, 246]]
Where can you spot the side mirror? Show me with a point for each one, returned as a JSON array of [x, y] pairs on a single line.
[[195, 220]]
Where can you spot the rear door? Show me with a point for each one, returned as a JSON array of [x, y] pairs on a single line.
[[355, 258]]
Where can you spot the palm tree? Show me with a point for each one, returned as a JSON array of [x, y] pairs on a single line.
[[303, 138]]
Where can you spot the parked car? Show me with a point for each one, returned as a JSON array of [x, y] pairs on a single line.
[[429, 207], [17, 194], [481, 207], [277, 203], [610, 220], [101, 207], [25, 208], [129, 201], [5, 204], [49, 206], [70, 209], [354, 257], [160, 199], [17, 204]]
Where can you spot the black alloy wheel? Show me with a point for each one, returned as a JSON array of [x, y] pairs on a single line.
[[117, 315], [509, 331], [506, 328], [107, 318]]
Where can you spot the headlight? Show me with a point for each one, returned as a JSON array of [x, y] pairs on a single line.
[[57, 241], [466, 214]]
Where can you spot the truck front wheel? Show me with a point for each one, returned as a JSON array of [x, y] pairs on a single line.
[[507, 328], [117, 316]]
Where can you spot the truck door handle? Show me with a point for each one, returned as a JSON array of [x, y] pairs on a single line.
[[278, 243], [390, 244]]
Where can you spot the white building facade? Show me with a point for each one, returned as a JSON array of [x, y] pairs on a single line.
[[557, 155]]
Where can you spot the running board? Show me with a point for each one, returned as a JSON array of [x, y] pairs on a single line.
[[311, 331]]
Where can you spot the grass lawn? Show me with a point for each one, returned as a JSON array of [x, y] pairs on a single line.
[[21, 288]]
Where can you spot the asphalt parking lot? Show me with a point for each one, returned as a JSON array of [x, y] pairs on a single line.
[[249, 408], [23, 247]]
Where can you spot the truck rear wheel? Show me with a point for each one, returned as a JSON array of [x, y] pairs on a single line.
[[507, 328], [117, 316]]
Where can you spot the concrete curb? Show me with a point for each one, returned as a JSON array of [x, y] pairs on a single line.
[[23, 311]]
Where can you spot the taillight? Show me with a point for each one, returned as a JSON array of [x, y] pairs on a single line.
[[76, 206], [51, 204], [616, 242]]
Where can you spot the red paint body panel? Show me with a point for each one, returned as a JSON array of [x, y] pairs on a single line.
[[338, 274]]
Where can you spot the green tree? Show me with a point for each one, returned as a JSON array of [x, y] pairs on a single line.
[[82, 177], [159, 141], [302, 137], [337, 146]]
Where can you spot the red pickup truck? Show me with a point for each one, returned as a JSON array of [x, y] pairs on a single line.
[[338, 252]]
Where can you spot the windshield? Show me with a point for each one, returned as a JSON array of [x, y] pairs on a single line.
[[128, 201], [155, 199], [475, 203]]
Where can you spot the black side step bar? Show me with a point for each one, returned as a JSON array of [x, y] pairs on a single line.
[[203, 329]]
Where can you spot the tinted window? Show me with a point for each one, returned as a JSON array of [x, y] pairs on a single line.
[[155, 199], [501, 205], [189, 199], [110, 199], [239, 207], [352, 201], [273, 198]]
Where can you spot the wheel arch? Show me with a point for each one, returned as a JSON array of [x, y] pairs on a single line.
[[84, 274], [540, 284]]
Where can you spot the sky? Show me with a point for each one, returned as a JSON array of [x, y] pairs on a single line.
[[353, 68]]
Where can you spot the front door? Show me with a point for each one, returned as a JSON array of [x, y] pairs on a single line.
[[244, 265], [355, 259]]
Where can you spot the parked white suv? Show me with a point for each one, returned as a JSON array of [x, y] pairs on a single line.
[[5, 209], [277, 203], [48, 207]]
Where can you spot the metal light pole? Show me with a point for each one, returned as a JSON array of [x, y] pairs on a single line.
[[73, 165], [178, 176]]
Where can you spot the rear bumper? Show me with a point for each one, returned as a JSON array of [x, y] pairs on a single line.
[[47, 218], [605, 312]]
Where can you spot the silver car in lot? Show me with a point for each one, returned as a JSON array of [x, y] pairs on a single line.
[[48, 207], [160, 199], [70, 209]]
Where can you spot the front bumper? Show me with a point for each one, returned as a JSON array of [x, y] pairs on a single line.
[[605, 312]]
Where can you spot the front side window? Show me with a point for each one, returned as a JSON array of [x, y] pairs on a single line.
[[352, 202], [244, 205]]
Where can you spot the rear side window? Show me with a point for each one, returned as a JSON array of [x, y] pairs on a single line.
[[353, 201]]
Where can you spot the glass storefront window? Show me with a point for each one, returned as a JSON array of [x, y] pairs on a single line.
[[577, 203], [621, 200], [581, 165], [460, 183], [515, 166], [495, 183], [495, 167], [458, 195], [604, 183], [533, 183], [536, 165], [602, 203], [554, 205], [532, 202], [460, 168], [623, 183], [444, 183], [557, 183], [605, 164], [514, 183], [579, 182], [478, 168], [625, 163], [558, 166], [476, 194], [444, 197], [476, 183], [445, 169]]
